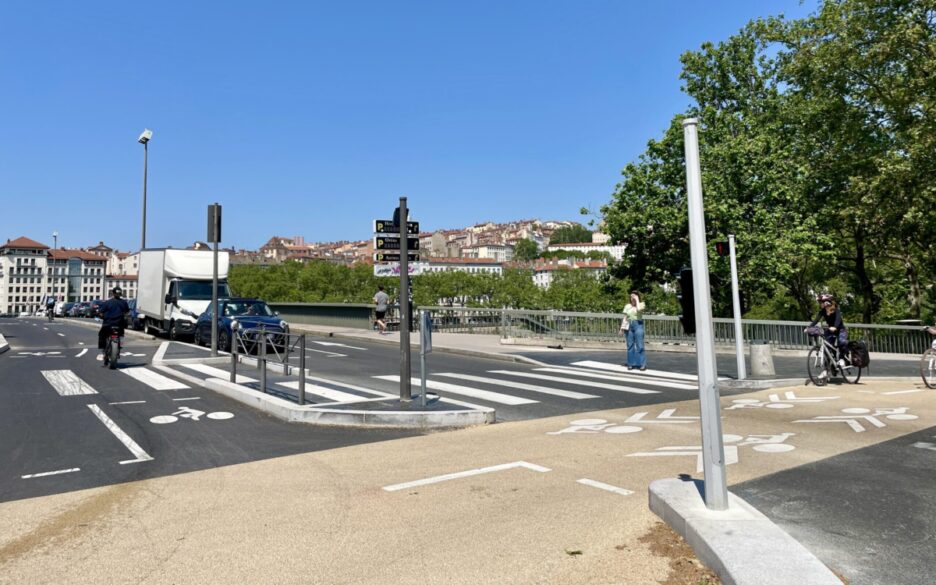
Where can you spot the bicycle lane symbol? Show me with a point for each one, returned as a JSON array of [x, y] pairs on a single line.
[[191, 413]]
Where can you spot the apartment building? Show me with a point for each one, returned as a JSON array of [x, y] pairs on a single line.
[[616, 252], [543, 272]]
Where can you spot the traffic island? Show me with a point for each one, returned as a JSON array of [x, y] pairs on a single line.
[[4, 346]]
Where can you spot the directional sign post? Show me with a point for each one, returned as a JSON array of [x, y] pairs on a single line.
[[386, 226], [394, 243], [405, 369], [393, 257]]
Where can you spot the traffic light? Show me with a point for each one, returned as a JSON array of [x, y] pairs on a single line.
[[722, 249], [686, 301]]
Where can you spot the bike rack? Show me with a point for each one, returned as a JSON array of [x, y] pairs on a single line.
[[260, 336]]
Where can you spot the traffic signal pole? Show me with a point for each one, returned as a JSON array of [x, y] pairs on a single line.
[[713, 452], [736, 301]]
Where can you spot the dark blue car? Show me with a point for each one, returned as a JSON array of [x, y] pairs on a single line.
[[250, 317]]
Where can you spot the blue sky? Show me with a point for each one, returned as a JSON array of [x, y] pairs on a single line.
[[313, 118]]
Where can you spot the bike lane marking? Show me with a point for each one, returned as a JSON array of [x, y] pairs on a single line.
[[138, 452], [48, 473], [468, 473]]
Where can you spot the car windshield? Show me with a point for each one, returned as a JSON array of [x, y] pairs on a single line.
[[247, 309], [201, 290]]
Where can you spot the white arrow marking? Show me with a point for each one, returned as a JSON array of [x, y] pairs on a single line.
[[461, 474], [791, 397], [604, 486], [665, 417], [731, 454], [339, 345], [82, 352], [922, 445]]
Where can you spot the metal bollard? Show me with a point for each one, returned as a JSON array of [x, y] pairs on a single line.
[[234, 358], [262, 360], [302, 369]]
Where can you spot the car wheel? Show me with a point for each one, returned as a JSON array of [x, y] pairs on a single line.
[[197, 336], [224, 341]]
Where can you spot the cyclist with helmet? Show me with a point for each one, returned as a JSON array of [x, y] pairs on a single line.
[[113, 316], [835, 332]]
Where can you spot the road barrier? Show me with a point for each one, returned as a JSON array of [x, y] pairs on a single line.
[[270, 347]]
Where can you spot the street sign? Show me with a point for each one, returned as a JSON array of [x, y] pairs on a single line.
[[393, 257], [393, 269], [214, 223], [386, 226], [392, 243]]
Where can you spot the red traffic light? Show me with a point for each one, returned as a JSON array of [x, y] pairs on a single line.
[[722, 249]]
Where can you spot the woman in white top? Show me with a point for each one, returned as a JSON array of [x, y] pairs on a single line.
[[633, 326]]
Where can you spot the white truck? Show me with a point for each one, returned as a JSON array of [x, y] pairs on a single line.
[[175, 288]]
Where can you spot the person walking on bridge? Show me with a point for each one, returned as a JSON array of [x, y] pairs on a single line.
[[381, 300], [633, 327]]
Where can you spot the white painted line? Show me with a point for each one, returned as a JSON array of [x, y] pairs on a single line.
[[47, 473], [187, 377], [900, 392], [216, 372], [161, 352], [629, 389], [353, 387], [645, 381], [128, 402], [60, 334], [518, 386], [82, 352], [604, 486], [324, 392], [124, 438], [66, 383], [331, 343], [461, 474], [465, 391], [193, 398], [623, 369], [153, 380], [328, 353], [45, 328], [81, 343]]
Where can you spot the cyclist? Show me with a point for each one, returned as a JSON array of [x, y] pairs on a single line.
[[835, 332], [50, 306], [113, 316]]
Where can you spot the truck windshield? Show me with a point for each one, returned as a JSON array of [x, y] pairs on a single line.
[[201, 290]]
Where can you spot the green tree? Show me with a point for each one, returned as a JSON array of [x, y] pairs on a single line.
[[526, 250], [571, 235]]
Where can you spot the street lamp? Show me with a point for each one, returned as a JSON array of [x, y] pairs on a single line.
[[144, 140], [54, 240]]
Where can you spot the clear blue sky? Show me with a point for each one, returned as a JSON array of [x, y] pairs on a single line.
[[313, 118]]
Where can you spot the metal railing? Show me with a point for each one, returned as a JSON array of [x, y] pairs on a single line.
[[270, 347]]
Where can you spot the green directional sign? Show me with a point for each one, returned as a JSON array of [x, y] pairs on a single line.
[[393, 257], [392, 243], [385, 226]]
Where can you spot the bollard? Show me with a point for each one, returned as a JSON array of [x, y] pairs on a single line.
[[234, 358], [262, 359], [302, 370], [761, 359]]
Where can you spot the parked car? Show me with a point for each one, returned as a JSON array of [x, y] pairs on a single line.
[[84, 309], [246, 315], [65, 309], [134, 318]]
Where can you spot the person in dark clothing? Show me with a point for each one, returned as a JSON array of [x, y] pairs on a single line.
[[835, 332], [113, 316]]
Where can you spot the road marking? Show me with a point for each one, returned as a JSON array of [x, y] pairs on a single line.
[[60, 334], [217, 373], [153, 380], [82, 352], [924, 445], [45, 328], [604, 486], [124, 438], [519, 386], [666, 417], [900, 392], [571, 381], [621, 378], [47, 473], [193, 398], [731, 454], [854, 416], [328, 353], [128, 402], [465, 391], [324, 392], [461, 474], [623, 369], [66, 383], [338, 345]]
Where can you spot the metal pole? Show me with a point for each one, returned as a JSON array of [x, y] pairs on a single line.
[[214, 287], [713, 452], [302, 368], [262, 364], [145, 164], [736, 301], [234, 357], [422, 359], [406, 392]]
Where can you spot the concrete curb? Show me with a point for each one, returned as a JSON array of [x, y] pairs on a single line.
[[759, 384], [4, 346], [740, 544]]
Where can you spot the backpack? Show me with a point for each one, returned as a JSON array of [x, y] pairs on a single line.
[[858, 350]]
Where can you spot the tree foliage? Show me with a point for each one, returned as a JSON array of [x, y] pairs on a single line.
[[575, 234]]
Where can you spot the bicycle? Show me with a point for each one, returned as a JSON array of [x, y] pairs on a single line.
[[112, 348], [50, 313], [928, 361], [821, 362]]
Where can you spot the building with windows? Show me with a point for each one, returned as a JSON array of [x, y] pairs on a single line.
[[471, 265], [23, 275], [616, 252], [126, 282], [77, 275]]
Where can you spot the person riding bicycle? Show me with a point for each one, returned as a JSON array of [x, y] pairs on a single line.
[[835, 332], [50, 306], [113, 316]]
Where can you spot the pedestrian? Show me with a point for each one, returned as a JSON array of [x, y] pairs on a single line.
[[633, 327], [381, 300]]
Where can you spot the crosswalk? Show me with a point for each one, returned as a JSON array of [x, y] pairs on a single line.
[[582, 381]]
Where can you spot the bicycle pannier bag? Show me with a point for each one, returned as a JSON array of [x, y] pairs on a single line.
[[858, 350]]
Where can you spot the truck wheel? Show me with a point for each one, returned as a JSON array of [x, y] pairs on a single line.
[[173, 332]]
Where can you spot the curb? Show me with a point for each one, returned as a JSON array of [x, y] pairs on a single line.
[[723, 540]]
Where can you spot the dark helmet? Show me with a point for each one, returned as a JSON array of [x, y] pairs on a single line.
[[826, 298], [116, 293]]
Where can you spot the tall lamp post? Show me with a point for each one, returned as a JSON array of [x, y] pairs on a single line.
[[144, 140]]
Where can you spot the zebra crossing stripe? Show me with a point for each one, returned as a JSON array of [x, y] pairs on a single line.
[[519, 386], [66, 383], [580, 382], [324, 392], [217, 372], [465, 391], [153, 380], [620, 378], [624, 370]]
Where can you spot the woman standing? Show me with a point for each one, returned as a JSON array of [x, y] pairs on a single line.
[[636, 358]]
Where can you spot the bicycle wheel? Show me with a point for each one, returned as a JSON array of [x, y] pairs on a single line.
[[816, 367], [851, 374], [928, 368], [113, 352]]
